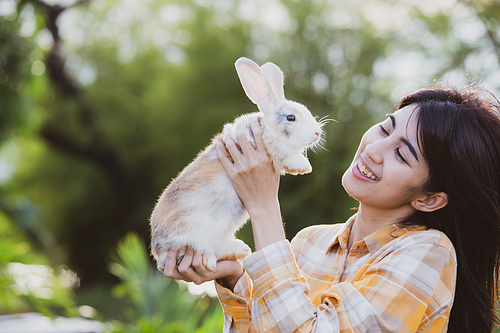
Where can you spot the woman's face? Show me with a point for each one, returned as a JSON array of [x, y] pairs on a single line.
[[388, 170]]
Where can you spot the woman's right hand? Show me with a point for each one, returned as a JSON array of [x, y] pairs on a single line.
[[256, 182], [191, 269]]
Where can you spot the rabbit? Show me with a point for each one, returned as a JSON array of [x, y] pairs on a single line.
[[200, 208]]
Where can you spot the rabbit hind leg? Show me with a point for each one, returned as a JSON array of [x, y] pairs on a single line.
[[209, 261]]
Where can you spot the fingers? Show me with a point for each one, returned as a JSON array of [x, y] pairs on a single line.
[[226, 162], [197, 262], [185, 265], [251, 153], [182, 271], [170, 263], [191, 268], [257, 131], [243, 132], [241, 149], [235, 150]]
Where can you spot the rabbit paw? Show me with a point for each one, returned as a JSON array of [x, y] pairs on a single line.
[[235, 249], [209, 261], [297, 165], [162, 257]]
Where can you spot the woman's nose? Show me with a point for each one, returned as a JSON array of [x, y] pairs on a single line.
[[374, 151]]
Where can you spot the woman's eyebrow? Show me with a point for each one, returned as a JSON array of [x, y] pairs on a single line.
[[393, 120], [412, 149]]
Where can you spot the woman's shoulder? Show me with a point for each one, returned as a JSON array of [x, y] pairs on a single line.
[[422, 236]]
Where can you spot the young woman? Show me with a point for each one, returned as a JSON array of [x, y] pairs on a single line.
[[426, 235]]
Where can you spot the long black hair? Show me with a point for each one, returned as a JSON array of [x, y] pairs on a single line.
[[459, 136]]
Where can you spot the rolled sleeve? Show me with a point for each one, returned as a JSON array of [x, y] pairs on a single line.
[[236, 305], [280, 294]]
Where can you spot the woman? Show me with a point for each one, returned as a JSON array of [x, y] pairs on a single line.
[[427, 174]]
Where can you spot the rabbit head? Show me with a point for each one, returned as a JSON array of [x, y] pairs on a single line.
[[289, 125]]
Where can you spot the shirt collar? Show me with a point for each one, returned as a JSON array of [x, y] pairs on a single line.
[[375, 240], [342, 235]]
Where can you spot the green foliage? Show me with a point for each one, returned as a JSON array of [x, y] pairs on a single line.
[[15, 66], [27, 282], [155, 303]]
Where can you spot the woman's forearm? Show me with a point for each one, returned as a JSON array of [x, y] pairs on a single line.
[[267, 224]]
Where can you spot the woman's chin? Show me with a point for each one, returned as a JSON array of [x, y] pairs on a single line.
[[347, 184]]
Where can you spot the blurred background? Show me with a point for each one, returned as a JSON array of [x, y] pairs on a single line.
[[103, 102]]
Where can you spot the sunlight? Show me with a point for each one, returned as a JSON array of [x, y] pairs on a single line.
[[39, 280], [8, 9]]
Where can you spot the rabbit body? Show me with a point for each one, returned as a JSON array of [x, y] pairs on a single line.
[[200, 207]]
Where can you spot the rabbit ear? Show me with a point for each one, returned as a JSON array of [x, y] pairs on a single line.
[[275, 76], [256, 84]]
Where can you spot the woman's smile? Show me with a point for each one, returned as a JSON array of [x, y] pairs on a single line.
[[365, 172]]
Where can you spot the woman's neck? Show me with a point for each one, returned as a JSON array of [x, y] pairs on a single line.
[[369, 220]]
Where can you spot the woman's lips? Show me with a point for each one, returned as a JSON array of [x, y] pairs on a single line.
[[365, 171]]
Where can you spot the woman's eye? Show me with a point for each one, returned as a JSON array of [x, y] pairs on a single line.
[[382, 129], [400, 157], [290, 117]]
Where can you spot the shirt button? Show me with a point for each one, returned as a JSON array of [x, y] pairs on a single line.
[[361, 247], [242, 302]]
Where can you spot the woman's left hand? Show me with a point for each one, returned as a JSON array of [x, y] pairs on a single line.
[[191, 269]]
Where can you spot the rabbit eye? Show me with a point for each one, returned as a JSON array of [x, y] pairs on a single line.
[[290, 117]]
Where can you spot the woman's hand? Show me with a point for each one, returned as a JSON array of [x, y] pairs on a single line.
[[252, 172], [256, 182], [191, 269]]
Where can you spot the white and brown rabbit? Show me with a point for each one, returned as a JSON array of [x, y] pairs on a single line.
[[200, 208]]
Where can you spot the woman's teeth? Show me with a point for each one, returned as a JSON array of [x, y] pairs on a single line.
[[365, 172]]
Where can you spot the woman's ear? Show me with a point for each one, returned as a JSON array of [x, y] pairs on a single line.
[[431, 202]]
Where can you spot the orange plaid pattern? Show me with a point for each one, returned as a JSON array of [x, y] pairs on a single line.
[[398, 279]]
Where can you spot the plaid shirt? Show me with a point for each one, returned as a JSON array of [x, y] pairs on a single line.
[[398, 279]]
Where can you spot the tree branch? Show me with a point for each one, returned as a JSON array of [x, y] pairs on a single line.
[[104, 157], [99, 151]]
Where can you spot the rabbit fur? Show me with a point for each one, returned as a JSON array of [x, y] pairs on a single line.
[[200, 208]]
